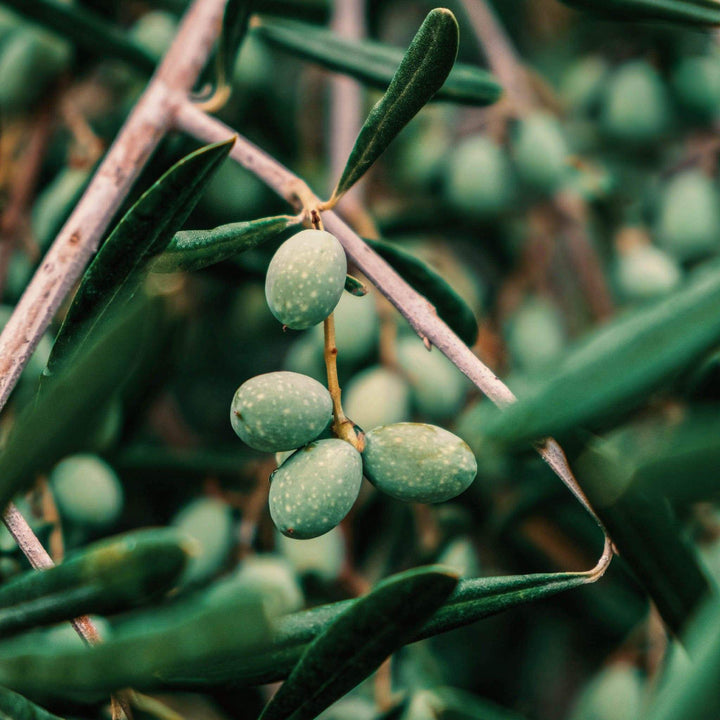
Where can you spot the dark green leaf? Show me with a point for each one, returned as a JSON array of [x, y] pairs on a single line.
[[105, 577], [448, 304], [354, 286], [119, 267], [234, 29], [186, 638], [691, 12], [645, 532], [619, 366], [358, 641], [421, 73], [86, 29], [16, 707], [373, 63], [196, 249]]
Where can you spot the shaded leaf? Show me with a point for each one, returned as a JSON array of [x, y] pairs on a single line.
[[448, 304], [16, 707], [108, 576], [197, 249], [86, 30], [373, 63], [691, 12], [187, 637], [354, 286], [234, 28], [145, 230], [421, 73], [618, 366], [645, 532], [358, 641]]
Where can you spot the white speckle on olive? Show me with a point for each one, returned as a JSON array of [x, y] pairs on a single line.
[[280, 411], [305, 279], [314, 489], [416, 462]]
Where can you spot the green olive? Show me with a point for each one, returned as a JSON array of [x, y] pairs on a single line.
[[377, 396]]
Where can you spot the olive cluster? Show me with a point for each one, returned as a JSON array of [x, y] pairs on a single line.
[[319, 478]]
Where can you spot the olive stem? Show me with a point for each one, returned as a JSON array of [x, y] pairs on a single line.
[[414, 307]]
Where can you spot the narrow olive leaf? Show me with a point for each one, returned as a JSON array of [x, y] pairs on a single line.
[[373, 63], [185, 637], [119, 267], [109, 576], [619, 366], [234, 28], [421, 73], [472, 600], [358, 641], [645, 532], [354, 286], [86, 30], [60, 418], [17, 707], [197, 249], [688, 12], [448, 304]]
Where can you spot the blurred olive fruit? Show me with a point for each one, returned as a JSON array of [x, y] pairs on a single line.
[[305, 356], [281, 457], [30, 59], [460, 555], [415, 462], [280, 411], [377, 396], [233, 194], [478, 178], [272, 577], [306, 278], [688, 226], [314, 489], [583, 83], [87, 491], [535, 334], [540, 152], [615, 693], [438, 387], [54, 204], [322, 556], [644, 272], [209, 523], [254, 65], [357, 328], [154, 32], [696, 84], [635, 108]]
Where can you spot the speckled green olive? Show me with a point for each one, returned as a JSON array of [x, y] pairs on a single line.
[[209, 523], [689, 223], [478, 178], [87, 491], [280, 411], [438, 387], [377, 396], [415, 462], [696, 85], [540, 152], [305, 279], [635, 108], [314, 489], [645, 272]]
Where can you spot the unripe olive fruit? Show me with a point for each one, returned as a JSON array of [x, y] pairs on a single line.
[[582, 84], [305, 356], [305, 279], [478, 178], [689, 222], [415, 462], [438, 387], [644, 272], [322, 556], [154, 32], [280, 411], [541, 152], [209, 523], [377, 396], [535, 334], [314, 489], [696, 84], [87, 491], [635, 107]]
